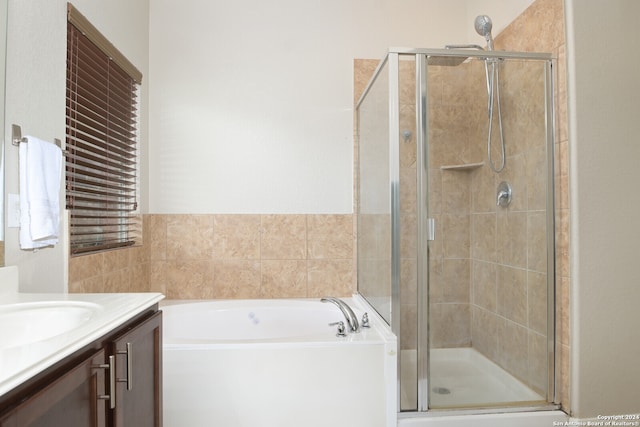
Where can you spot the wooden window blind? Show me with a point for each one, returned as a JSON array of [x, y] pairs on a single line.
[[101, 141]]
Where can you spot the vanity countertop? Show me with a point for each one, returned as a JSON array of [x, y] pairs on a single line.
[[100, 314]]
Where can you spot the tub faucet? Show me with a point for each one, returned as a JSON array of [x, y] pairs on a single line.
[[349, 315]]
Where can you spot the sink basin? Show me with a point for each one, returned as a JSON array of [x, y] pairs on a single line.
[[30, 322]]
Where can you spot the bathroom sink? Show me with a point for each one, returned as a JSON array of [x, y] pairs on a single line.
[[30, 322]]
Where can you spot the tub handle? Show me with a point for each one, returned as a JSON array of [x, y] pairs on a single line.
[[365, 320], [341, 329]]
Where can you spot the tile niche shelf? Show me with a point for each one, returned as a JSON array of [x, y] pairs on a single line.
[[463, 167]]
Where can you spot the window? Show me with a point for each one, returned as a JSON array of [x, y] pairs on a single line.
[[101, 141]]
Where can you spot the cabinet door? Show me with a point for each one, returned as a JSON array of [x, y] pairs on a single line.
[[74, 399], [139, 375]]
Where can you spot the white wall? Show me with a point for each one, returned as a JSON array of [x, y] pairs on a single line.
[[604, 107], [252, 101], [35, 99]]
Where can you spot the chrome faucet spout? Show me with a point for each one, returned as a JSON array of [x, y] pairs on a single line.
[[349, 315]]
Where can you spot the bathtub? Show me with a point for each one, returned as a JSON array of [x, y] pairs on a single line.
[[263, 363]]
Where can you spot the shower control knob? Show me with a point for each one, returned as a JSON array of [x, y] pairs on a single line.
[[503, 198], [341, 329]]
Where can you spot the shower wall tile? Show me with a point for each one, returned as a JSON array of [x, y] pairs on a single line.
[[512, 294], [485, 285], [408, 236], [512, 239], [513, 347], [455, 283], [485, 332], [537, 241], [536, 178], [538, 370], [408, 326], [483, 185], [456, 231], [408, 190], [450, 325], [537, 302], [408, 281], [363, 69], [483, 237], [455, 192]]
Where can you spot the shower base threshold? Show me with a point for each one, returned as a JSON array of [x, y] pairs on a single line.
[[463, 378]]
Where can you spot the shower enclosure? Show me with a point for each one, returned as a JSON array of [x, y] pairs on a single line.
[[456, 256]]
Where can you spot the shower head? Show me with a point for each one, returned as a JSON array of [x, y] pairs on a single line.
[[483, 26]]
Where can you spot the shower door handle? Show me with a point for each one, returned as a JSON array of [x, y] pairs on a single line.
[[431, 229]]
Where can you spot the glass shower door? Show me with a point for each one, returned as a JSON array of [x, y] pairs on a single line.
[[491, 268]]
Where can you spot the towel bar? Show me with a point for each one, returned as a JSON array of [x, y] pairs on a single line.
[[16, 137]]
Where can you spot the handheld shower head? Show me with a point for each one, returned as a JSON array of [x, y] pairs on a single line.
[[483, 26]]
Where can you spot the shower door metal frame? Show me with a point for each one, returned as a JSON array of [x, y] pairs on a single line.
[[423, 228]]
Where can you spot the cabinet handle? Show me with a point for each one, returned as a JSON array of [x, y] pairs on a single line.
[[129, 353], [111, 366]]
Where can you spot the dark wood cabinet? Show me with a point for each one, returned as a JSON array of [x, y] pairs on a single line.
[[74, 399], [138, 375], [115, 381]]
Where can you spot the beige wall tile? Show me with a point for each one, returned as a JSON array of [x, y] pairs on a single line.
[[330, 277], [86, 266], [188, 279], [512, 239], [330, 236], [189, 237], [456, 235], [485, 332], [512, 294], [284, 237], [157, 238], [118, 281], [485, 282], [283, 279], [408, 326], [483, 237], [537, 376], [409, 281], [450, 325], [117, 259], [537, 302], [236, 236], [513, 348], [237, 279], [456, 274], [537, 241]]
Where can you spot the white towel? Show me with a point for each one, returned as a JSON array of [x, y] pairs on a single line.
[[40, 175]]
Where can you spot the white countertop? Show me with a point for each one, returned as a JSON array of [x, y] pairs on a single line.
[[19, 363]]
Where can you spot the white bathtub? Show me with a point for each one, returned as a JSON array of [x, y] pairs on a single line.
[[264, 363]]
